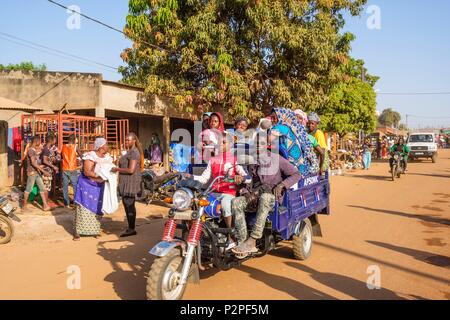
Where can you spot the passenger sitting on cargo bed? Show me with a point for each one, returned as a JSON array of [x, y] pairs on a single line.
[[271, 175]]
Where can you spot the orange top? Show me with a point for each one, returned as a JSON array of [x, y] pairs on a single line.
[[69, 157]]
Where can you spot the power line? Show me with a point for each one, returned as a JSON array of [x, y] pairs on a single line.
[[48, 50], [427, 117], [87, 17], [107, 25], [413, 93]]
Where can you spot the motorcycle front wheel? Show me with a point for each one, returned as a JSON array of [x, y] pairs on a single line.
[[6, 230], [163, 277]]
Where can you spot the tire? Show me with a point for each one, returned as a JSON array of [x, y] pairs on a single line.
[[434, 158], [302, 244], [6, 230], [157, 274]]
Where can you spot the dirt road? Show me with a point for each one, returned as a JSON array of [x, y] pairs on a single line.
[[398, 228]]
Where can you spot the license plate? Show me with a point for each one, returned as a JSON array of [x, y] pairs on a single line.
[[183, 215], [8, 208], [419, 153]]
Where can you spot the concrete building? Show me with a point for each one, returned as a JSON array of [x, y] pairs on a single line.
[[88, 94], [10, 119]]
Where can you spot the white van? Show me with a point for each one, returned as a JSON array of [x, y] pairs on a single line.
[[423, 145]]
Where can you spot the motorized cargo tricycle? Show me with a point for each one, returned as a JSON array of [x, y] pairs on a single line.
[[203, 236]]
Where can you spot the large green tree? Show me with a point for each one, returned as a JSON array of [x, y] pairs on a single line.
[[242, 55], [352, 102], [390, 118]]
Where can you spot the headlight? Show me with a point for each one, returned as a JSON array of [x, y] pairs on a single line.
[[396, 157], [182, 200]]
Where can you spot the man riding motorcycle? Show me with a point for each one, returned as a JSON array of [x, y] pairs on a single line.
[[271, 175], [401, 147]]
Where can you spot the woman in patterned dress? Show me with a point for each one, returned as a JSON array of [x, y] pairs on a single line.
[[89, 193], [294, 143]]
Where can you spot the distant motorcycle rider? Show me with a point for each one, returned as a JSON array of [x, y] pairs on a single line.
[[401, 147]]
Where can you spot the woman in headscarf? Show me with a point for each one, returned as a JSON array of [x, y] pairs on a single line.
[[210, 137], [89, 192], [301, 116], [294, 141]]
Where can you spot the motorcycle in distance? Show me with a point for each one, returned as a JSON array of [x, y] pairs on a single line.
[[204, 236], [6, 225], [398, 167]]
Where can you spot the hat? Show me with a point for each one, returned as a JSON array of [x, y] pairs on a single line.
[[265, 123], [313, 117], [240, 119], [99, 142]]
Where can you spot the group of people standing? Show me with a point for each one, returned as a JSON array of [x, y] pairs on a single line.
[[91, 194], [94, 183], [384, 150], [43, 167]]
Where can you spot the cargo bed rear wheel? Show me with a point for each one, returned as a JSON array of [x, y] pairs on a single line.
[[302, 244]]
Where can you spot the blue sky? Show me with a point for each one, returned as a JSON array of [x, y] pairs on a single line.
[[411, 51]]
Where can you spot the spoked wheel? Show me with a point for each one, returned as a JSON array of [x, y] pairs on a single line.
[[302, 244], [164, 276], [6, 230]]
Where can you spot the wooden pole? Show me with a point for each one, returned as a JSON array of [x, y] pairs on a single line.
[[166, 133]]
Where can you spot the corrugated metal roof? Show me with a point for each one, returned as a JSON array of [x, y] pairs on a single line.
[[7, 104]]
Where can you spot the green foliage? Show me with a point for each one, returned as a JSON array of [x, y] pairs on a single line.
[[352, 103], [27, 65], [245, 56], [389, 118]]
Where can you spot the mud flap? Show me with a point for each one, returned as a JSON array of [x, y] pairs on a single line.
[[317, 230], [194, 274], [164, 247]]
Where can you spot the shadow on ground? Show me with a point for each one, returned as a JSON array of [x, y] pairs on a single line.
[[371, 177], [445, 176], [436, 260], [349, 286], [294, 288], [130, 258], [425, 218]]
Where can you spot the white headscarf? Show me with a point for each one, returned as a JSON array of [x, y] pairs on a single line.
[[99, 142]]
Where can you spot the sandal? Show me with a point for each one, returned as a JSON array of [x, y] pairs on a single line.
[[244, 249]]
